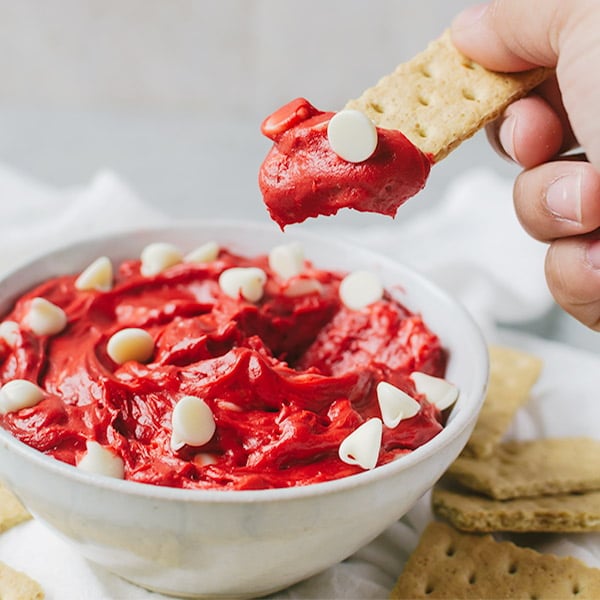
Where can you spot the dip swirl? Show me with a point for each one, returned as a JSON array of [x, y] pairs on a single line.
[[287, 377]]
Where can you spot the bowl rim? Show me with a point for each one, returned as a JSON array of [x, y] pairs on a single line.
[[445, 437]]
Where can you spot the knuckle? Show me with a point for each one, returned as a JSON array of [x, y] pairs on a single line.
[[572, 285]]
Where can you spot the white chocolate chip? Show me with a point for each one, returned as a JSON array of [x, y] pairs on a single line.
[[247, 281], [130, 343], [193, 423], [437, 391], [287, 260], [203, 254], [359, 289], [157, 257], [18, 394], [97, 276], [9, 332], [362, 446], [352, 135], [395, 404], [45, 318], [102, 461], [302, 287]]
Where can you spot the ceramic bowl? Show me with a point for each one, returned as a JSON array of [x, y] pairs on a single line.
[[242, 543]]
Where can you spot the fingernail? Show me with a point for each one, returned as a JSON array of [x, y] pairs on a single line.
[[506, 135], [593, 254], [563, 197], [469, 17]]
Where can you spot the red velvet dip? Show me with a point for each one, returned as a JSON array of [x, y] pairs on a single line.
[[303, 177], [286, 378]]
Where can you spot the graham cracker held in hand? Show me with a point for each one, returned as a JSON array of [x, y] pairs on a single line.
[[573, 513], [12, 512], [441, 98], [15, 585], [532, 468], [512, 375], [449, 564]]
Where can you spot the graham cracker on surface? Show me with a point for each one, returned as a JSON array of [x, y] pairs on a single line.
[[449, 564], [440, 98], [532, 468], [573, 513], [15, 585], [12, 512], [512, 375]]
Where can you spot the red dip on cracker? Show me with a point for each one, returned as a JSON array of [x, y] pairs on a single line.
[[302, 176]]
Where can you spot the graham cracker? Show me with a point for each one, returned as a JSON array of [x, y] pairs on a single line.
[[512, 375], [449, 564], [12, 511], [558, 513], [532, 468], [15, 585], [440, 98]]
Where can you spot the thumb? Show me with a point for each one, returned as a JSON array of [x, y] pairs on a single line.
[[513, 35]]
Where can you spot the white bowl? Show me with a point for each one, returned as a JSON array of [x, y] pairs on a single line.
[[242, 543]]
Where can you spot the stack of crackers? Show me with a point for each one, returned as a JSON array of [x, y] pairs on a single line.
[[15, 585], [544, 485]]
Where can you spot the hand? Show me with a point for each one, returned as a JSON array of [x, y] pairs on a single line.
[[557, 200]]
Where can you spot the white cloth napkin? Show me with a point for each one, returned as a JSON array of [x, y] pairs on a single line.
[[471, 244], [35, 217]]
